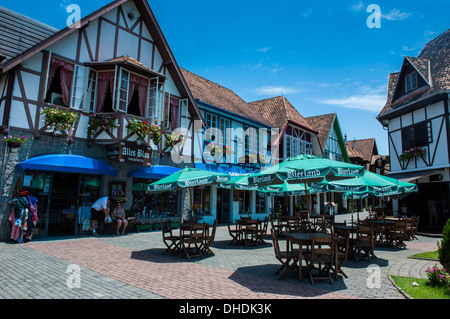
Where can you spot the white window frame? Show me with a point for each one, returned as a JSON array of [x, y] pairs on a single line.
[[156, 97], [87, 88], [183, 113], [118, 101], [211, 128]]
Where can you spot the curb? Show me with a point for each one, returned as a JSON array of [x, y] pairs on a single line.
[[399, 289]]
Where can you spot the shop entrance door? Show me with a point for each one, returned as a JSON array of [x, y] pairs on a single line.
[[64, 196], [223, 205]]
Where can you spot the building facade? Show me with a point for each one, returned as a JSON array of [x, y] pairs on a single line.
[[416, 116], [113, 73]]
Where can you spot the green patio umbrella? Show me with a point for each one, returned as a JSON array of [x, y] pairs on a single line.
[[369, 181], [239, 182], [188, 177], [365, 185], [402, 188], [305, 169], [287, 189]]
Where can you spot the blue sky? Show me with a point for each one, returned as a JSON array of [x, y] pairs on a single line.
[[321, 55]]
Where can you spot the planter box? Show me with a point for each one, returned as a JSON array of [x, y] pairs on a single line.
[[141, 227], [156, 226], [174, 225]]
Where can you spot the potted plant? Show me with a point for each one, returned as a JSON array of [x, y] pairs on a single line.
[[59, 118], [14, 141], [412, 152], [172, 140], [99, 122]]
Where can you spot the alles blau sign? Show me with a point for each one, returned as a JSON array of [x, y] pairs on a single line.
[[131, 153]]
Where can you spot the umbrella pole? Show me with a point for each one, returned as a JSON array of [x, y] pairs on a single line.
[[351, 208], [307, 207]]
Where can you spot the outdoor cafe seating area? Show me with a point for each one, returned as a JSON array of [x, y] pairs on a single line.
[[322, 246], [316, 240]]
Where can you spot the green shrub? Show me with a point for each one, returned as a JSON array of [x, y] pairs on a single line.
[[444, 247]]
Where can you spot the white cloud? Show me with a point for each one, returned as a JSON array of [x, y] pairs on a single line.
[[275, 90], [264, 49], [307, 12], [396, 15], [358, 7], [367, 102]]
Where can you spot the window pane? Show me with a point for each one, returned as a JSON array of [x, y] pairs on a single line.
[[421, 134]]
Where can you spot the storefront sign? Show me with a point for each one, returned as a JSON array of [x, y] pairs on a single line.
[[131, 153]]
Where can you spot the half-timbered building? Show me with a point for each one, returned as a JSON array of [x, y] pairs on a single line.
[[416, 116], [105, 75]]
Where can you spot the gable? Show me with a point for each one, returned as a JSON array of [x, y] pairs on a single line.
[[409, 68]]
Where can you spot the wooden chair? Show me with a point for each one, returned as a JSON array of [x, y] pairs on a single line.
[[262, 231], [274, 220], [292, 223], [194, 242], [287, 258], [235, 233], [322, 252], [409, 226], [364, 241], [411, 229], [282, 225], [209, 240], [171, 241], [327, 224], [250, 232], [396, 234], [342, 242]]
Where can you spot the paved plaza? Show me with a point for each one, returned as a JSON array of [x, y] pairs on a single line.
[[133, 267]]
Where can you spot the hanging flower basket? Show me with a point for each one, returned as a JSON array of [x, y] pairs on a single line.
[[100, 122], [59, 118]]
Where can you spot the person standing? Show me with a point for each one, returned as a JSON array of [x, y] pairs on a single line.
[[433, 211], [99, 212]]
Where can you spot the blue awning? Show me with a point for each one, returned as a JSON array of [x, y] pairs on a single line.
[[69, 164], [154, 171]]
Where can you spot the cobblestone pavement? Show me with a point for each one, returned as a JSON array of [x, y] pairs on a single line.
[[133, 267]]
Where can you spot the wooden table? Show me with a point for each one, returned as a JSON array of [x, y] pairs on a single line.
[[302, 239], [252, 224]]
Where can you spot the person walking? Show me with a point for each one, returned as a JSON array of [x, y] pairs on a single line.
[[99, 212]]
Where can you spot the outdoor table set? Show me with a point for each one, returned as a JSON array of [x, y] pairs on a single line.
[[193, 239], [248, 231]]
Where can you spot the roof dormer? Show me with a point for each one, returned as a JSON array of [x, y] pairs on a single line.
[[414, 75]]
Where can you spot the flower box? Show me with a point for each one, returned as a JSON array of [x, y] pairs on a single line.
[[144, 227], [157, 226]]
